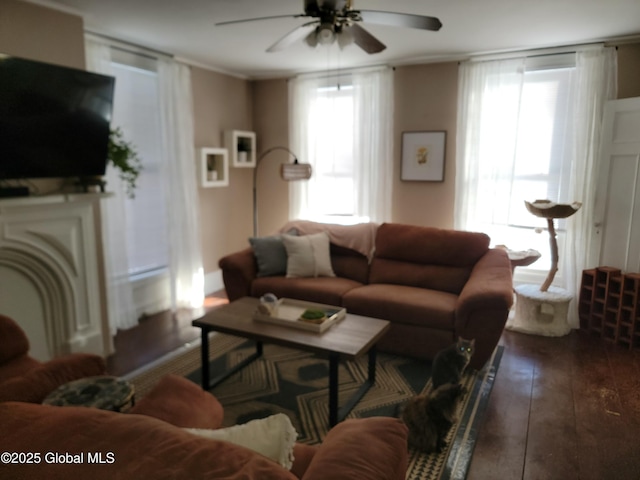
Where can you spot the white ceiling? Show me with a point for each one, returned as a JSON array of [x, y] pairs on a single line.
[[185, 28]]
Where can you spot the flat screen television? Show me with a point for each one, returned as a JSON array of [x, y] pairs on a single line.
[[54, 120]]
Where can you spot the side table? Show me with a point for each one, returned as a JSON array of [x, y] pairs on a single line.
[[103, 392]]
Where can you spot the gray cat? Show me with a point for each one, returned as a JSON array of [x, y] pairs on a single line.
[[430, 416], [449, 364]]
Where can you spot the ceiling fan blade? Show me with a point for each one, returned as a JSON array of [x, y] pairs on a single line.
[[400, 20], [231, 22], [293, 36], [365, 40]]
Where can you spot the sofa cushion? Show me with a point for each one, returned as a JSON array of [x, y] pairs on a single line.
[[34, 385], [426, 257], [308, 255], [17, 367], [348, 263], [131, 446], [402, 304], [436, 277], [431, 246], [362, 450], [328, 290]]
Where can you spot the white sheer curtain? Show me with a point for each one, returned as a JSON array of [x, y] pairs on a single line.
[[186, 270], [303, 91], [372, 141], [373, 147], [486, 144], [120, 305], [486, 137], [596, 82], [187, 273]]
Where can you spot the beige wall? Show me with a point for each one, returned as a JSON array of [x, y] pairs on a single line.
[[220, 103], [425, 100], [629, 70], [272, 123], [39, 33]]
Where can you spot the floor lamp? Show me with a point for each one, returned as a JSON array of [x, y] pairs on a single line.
[[292, 171]]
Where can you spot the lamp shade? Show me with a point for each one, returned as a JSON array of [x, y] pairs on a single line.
[[295, 171]]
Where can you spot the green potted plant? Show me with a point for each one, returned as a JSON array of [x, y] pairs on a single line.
[[124, 156]]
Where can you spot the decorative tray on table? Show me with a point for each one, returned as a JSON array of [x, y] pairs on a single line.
[[315, 317]]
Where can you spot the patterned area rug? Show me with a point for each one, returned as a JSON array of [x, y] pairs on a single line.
[[296, 383]]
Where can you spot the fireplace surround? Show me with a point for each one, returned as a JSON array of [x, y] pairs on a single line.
[[52, 272]]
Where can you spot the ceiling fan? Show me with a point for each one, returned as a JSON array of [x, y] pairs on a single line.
[[337, 20]]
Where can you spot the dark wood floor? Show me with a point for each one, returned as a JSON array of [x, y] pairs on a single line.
[[561, 408]]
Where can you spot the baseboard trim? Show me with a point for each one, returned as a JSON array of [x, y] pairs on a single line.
[[213, 282]]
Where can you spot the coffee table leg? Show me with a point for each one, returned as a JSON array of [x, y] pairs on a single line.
[[337, 415], [204, 358], [372, 365], [334, 361], [208, 382]]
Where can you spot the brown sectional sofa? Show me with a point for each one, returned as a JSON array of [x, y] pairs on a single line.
[[433, 285], [56, 443]]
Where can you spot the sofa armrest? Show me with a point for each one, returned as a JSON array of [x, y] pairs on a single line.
[[182, 403], [13, 340], [34, 385], [484, 303], [362, 449], [239, 269]]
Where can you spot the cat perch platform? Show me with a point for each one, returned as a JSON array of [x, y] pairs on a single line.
[[541, 313], [544, 310]]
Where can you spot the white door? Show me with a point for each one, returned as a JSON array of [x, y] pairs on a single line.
[[617, 208]]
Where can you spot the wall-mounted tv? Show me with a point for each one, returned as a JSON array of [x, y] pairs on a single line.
[[54, 120]]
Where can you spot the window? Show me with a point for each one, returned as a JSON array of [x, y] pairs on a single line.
[[136, 111], [343, 128], [332, 194], [524, 153]]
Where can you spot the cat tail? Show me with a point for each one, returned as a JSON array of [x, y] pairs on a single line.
[[398, 409]]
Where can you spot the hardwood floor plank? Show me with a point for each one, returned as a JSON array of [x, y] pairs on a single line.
[[502, 441], [608, 439], [552, 450]]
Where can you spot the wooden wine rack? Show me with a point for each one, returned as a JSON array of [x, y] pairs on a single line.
[[609, 305]]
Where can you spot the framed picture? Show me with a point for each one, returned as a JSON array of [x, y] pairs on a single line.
[[423, 156]]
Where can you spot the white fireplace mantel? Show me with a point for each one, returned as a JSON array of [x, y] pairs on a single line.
[[52, 272]]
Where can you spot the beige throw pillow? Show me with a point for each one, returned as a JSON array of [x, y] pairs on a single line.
[[308, 255], [273, 437]]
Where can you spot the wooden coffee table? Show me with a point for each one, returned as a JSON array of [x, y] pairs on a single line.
[[348, 339]]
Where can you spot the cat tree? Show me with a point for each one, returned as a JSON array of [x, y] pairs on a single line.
[[544, 310]]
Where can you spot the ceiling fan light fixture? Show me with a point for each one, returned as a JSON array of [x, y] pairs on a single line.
[[312, 38], [325, 34]]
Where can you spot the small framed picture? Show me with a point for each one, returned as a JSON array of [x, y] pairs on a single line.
[[423, 156]]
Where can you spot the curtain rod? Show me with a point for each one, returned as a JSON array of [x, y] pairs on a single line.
[[540, 52], [342, 72], [128, 46]]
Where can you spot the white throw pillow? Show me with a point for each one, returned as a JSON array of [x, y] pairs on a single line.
[[308, 255], [272, 437]]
